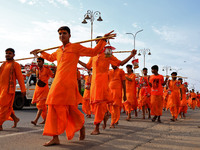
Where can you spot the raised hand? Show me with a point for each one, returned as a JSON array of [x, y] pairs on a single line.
[[110, 34]]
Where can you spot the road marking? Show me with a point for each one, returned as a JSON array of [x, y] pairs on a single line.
[[20, 133]]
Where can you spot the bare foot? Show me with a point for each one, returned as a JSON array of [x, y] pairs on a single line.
[[154, 119], [105, 121], [33, 122], [112, 126], [54, 141], [15, 122], [82, 133], [1, 128], [117, 123], [128, 119], [95, 132], [43, 122], [172, 120]]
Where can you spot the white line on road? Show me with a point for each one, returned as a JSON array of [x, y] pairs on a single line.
[[14, 134]]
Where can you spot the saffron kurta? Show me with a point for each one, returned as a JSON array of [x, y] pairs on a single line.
[[40, 94], [174, 98], [183, 104], [156, 94], [116, 78], [193, 99], [145, 93], [131, 102], [86, 96], [63, 98], [100, 95], [9, 72]]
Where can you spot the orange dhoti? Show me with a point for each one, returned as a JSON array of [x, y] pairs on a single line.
[[86, 97], [183, 105], [116, 106], [86, 106], [63, 118], [9, 73], [156, 105], [131, 103], [145, 97], [198, 103], [193, 104], [100, 97], [6, 109], [174, 104], [39, 97]]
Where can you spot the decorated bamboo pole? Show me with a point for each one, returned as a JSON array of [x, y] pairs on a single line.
[[96, 39], [122, 51], [177, 77]]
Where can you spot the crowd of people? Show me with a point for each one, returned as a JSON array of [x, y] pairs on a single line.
[[107, 92]]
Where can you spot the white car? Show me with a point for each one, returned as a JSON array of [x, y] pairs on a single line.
[[30, 83]]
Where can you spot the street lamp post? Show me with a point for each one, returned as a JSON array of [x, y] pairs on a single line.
[[144, 52], [90, 15], [167, 68], [134, 35]]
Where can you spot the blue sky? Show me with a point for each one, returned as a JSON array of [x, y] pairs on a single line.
[[171, 29]]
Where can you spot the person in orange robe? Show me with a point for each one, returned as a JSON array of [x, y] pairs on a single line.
[[165, 98], [10, 71], [86, 96], [40, 94], [99, 91], [144, 93], [175, 95], [63, 98], [156, 82], [193, 97], [131, 103], [198, 100], [116, 78], [183, 104]]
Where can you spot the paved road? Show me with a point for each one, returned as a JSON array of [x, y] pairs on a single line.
[[136, 134]]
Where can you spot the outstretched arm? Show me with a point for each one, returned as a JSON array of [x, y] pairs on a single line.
[[133, 53]]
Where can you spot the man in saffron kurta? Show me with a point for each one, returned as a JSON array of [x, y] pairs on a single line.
[[86, 96], [9, 72], [156, 82], [175, 94], [116, 78], [99, 92], [183, 104], [144, 93], [131, 103], [40, 94], [198, 100], [64, 97], [193, 99]]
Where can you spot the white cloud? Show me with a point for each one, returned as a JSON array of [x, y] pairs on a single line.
[[63, 2], [171, 35], [22, 1], [53, 2]]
